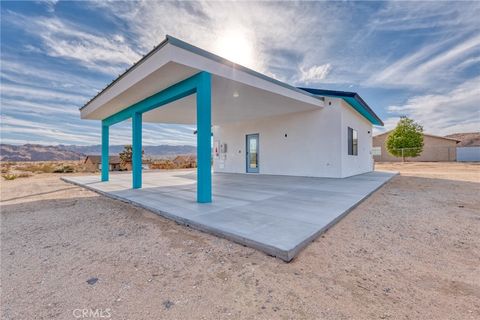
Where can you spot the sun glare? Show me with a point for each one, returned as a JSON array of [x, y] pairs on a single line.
[[236, 47]]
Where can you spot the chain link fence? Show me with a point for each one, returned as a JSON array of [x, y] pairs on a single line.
[[429, 153]]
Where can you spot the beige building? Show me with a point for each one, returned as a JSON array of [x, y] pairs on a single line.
[[435, 148]]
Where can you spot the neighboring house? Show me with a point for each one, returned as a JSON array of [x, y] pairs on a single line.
[[260, 125], [92, 163], [435, 148]]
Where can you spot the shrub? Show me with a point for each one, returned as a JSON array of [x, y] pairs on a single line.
[[40, 168], [64, 169], [68, 169], [9, 176]]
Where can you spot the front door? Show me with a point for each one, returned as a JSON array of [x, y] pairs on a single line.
[[252, 153]]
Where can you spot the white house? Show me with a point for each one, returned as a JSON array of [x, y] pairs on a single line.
[[332, 141], [260, 125]]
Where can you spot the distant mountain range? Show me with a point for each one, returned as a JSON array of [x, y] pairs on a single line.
[[36, 152], [161, 150], [469, 139]]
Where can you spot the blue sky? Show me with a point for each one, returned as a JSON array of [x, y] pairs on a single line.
[[420, 59]]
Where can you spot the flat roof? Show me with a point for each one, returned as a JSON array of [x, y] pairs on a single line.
[[112, 97], [189, 47]]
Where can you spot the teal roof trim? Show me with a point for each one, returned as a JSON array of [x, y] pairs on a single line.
[[360, 109], [353, 99]]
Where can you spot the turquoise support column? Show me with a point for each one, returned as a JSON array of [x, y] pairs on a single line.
[[200, 84], [204, 134], [137, 150], [105, 141]]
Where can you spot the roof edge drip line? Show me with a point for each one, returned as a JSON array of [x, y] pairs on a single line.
[[353, 99]]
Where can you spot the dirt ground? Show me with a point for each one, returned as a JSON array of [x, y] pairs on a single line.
[[410, 251]]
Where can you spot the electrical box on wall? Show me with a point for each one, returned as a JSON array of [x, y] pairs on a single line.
[[223, 148], [216, 148]]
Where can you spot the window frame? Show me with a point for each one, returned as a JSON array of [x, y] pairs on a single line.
[[352, 141]]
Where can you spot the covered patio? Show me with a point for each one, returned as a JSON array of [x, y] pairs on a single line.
[[177, 83], [278, 215]]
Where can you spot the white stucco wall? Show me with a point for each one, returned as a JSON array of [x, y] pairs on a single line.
[[363, 162], [303, 152], [315, 146]]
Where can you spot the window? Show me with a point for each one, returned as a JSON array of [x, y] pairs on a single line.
[[352, 142]]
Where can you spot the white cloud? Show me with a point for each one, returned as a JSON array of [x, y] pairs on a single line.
[[31, 74], [97, 52], [37, 93], [33, 140], [468, 63], [432, 65], [50, 4], [41, 130], [88, 133], [60, 38], [28, 107], [266, 26], [389, 124], [449, 112], [439, 16], [315, 73]]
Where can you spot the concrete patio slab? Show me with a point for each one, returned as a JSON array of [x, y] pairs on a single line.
[[279, 215]]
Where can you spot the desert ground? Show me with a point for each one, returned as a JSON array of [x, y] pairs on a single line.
[[410, 251]]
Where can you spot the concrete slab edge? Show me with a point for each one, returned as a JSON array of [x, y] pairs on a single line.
[[269, 250], [285, 255], [292, 253]]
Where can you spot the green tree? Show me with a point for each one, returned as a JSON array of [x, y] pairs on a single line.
[[126, 155], [406, 140]]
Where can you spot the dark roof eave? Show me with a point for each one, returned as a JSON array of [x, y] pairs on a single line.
[[347, 94], [369, 110]]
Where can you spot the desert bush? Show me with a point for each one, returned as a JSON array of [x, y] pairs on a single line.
[[68, 169], [180, 162], [13, 176], [37, 168], [64, 169], [9, 176], [162, 164], [5, 167]]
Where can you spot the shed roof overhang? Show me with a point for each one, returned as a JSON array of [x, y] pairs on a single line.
[[238, 93]]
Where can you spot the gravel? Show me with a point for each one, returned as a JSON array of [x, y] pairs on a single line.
[[410, 251]]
